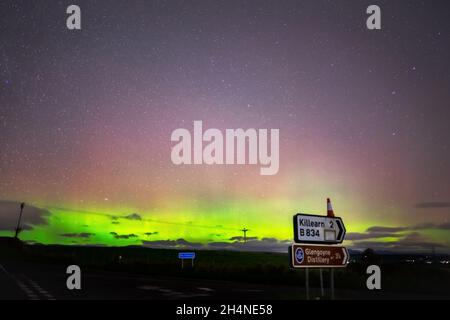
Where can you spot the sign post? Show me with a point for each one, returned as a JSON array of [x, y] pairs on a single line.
[[307, 283], [315, 240], [186, 255], [321, 283], [332, 284]]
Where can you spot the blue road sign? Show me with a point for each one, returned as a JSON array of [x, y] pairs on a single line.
[[186, 255]]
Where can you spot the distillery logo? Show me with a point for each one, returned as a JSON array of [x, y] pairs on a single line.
[[234, 146]]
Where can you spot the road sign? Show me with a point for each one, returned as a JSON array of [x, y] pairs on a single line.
[[310, 256], [318, 229], [186, 255]]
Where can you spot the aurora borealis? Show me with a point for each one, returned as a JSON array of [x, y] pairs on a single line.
[[86, 118]]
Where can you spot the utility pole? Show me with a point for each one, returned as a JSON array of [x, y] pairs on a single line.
[[22, 205], [245, 234], [307, 283], [332, 283], [322, 291]]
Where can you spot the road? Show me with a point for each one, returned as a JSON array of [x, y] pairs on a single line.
[[24, 280], [31, 281]]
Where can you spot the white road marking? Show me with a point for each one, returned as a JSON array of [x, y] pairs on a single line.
[[169, 292], [149, 288], [4, 270], [194, 295], [25, 288], [176, 294], [28, 292], [38, 288]]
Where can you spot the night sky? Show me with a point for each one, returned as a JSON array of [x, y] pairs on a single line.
[[86, 118]]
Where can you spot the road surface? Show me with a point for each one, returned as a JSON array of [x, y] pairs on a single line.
[[25, 280], [34, 281]]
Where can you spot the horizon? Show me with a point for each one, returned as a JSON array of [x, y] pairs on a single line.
[[78, 234]]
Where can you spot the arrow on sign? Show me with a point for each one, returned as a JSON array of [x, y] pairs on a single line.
[[341, 228]]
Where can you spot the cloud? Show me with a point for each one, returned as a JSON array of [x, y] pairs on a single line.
[[429, 225], [151, 233], [378, 229], [215, 234], [133, 216], [423, 226], [84, 235], [9, 213], [411, 242], [378, 232], [409, 239], [428, 205], [363, 236], [444, 226], [123, 236]]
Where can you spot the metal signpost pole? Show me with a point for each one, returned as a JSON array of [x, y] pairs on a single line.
[[307, 283], [332, 284], [321, 283], [186, 255]]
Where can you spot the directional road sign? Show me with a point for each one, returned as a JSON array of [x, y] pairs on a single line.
[[318, 229], [310, 256]]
